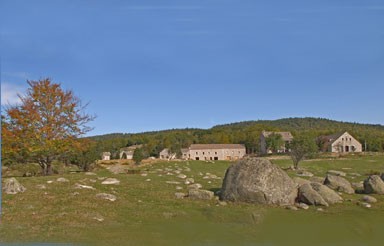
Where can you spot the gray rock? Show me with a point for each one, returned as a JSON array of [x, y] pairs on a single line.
[[80, 186], [329, 195], [110, 181], [189, 181], [195, 186], [106, 196], [302, 205], [257, 180], [41, 187], [316, 179], [62, 180], [355, 174], [336, 173], [182, 176], [369, 199], [382, 176], [300, 181], [304, 173], [12, 186], [358, 185], [200, 194], [291, 207], [180, 195], [374, 185], [364, 204], [339, 184], [309, 196], [90, 173], [173, 182]]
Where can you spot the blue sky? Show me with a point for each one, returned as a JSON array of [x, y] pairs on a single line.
[[150, 65]]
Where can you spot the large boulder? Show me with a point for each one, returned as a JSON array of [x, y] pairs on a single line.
[[339, 184], [12, 186], [309, 196], [257, 180], [329, 195], [374, 184]]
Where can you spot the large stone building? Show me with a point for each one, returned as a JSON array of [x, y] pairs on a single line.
[[127, 152], [214, 152], [340, 143], [165, 154], [285, 136]]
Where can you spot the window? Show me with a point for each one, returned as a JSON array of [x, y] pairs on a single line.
[[203, 153], [215, 153], [197, 153]]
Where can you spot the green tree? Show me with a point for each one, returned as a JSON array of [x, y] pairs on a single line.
[[46, 124], [274, 142], [138, 155], [302, 146]]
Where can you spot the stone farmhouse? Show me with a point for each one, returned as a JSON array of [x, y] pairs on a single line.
[[214, 152], [106, 156], [165, 154], [286, 136], [341, 143], [127, 152]]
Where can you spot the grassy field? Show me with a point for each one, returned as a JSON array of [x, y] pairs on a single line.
[[147, 213]]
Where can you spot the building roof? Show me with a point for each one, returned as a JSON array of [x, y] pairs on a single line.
[[106, 153], [216, 146], [332, 138], [286, 136]]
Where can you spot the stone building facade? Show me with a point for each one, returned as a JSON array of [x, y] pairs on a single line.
[[214, 152]]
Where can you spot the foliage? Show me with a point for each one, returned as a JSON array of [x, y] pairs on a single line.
[[45, 126], [139, 155], [274, 142], [301, 147]]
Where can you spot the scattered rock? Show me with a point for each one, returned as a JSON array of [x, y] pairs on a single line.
[[144, 174], [180, 195], [90, 173], [364, 204], [257, 180], [106, 196], [304, 173], [99, 218], [302, 205], [181, 176], [200, 194], [300, 181], [358, 186], [92, 180], [12, 186], [339, 184], [173, 182], [195, 186], [49, 181], [316, 179], [75, 193], [41, 187], [110, 181], [222, 203], [320, 209], [291, 207], [62, 180], [189, 181], [309, 196], [179, 188], [148, 180], [80, 186], [336, 173], [369, 199], [374, 185], [177, 171], [329, 195]]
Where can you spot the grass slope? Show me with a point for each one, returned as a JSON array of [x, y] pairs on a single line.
[[146, 212]]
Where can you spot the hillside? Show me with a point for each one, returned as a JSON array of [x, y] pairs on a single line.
[[246, 133]]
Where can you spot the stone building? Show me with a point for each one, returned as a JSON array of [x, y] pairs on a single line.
[[127, 152], [214, 152], [165, 154], [340, 143], [286, 137], [106, 156]]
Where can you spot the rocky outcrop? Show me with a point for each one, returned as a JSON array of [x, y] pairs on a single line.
[[336, 173], [374, 185], [198, 194], [309, 196], [12, 186], [329, 195], [339, 184], [257, 180]]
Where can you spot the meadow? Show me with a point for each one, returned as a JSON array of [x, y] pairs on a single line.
[[146, 211]]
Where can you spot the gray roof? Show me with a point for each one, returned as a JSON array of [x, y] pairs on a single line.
[[216, 146]]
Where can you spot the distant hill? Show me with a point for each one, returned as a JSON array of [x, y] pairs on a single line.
[[246, 132]]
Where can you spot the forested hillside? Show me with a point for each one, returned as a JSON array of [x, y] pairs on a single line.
[[246, 133]]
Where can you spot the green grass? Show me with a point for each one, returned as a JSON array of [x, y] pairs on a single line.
[[146, 213]]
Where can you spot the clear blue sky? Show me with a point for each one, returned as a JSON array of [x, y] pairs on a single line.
[[150, 65]]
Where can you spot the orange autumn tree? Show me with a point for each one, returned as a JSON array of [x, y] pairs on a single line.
[[45, 125]]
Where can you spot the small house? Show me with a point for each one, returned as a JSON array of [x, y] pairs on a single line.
[[340, 143], [106, 156]]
